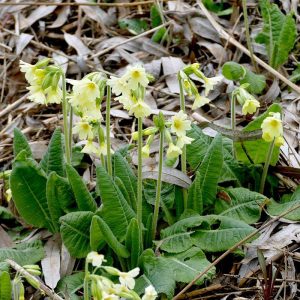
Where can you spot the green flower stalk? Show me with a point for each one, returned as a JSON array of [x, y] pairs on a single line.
[[140, 165], [160, 123], [107, 121]]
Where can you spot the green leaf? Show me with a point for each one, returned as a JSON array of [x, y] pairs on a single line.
[[134, 26], [155, 16], [159, 35], [195, 200], [164, 271], [69, 285], [24, 254], [257, 150], [28, 186], [97, 241], [5, 214], [275, 208], [133, 243], [123, 170], [83, 197], [116, 212], [278, 34], [210, 171], [110, 239], [75, 232], [243, 205], [5, 286], [257, 83], [53, 159], [233, 71], [59, 197], [20, 143], [220, 233]]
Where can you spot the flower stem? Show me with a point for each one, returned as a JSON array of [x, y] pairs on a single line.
[[70, 130], [86, 282], [139, 184], [100, 140], [266, 167], [65, 119], [233, 122], [183, 155], [159, 183], [246, 23], [108, 100]]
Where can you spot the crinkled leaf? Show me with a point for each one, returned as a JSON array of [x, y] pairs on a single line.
[[53, 159], [75, 232], [69, 285], [20, 143], [243, 205], [24, 254], [5, 286], [28, 186]]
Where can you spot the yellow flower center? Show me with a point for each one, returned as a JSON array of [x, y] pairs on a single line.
[[177, 124], [136, 74], [85, 126], [91, 86], [274, 123]]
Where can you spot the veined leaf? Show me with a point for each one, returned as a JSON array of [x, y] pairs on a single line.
[[116, 212], [83, 197], [20, 143], [220, 233], [97, 241], [110, 239], [258, 149], [279, 33], [5, 286], [243, 205], [275, 208], [24, 254], [28, 186], [210, 171], [164, 271], [195, 200], [69, 285], [75, 232], [53, 159], [126, 174], [60, 197], [133, 242]]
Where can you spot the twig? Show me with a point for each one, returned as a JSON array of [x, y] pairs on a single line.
[[249, 236], [101, 4], [130, 40], [223, 34], [39, 283], [13, 105]]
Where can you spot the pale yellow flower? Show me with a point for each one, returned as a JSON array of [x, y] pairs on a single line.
[[150, 293], [136, 75], [8, 195], [90, 148], [103, 149], [126, 100], [279, 141], [118, 85], [140, 109], [183, 140], [180, 124], [146, 151], [54, 94], [200, 101], [37, 94], [209, 83], [85, 92], [95, 259], [29, 71], [272, 127], [127, 278], [173, 151], [84, 130], [250, 106], [106, 296]]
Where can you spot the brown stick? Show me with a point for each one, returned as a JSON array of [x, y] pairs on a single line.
[[251, 235], [39, 283], [223, 34]]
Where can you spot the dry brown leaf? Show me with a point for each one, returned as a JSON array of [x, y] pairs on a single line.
[[22, 41], [51, 261], [61, 18], [76, 43], [5, 239]]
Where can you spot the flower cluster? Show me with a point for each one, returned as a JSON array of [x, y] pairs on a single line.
[[272, 129], [104, 288], [44, 81], [189, 86], [178, 126], [248, 102], [86, 97], [130, 89]]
